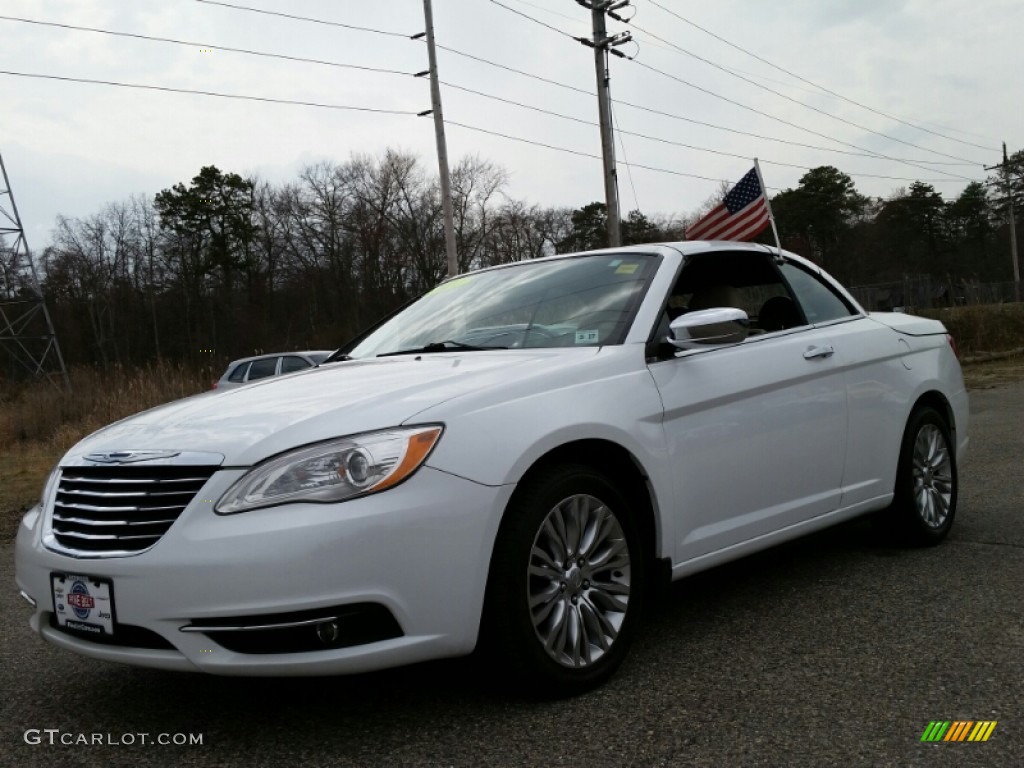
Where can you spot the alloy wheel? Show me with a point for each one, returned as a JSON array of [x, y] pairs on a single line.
[[932, 476], [579, 580]]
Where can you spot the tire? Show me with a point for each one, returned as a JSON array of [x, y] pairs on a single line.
[[567, 582], [924, 504]]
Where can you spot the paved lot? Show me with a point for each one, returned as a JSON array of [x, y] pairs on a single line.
[[831, 651]]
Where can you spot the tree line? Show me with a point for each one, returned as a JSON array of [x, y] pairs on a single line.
[[226, 266]]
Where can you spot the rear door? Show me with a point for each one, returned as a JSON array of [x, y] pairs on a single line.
[[875, 366]]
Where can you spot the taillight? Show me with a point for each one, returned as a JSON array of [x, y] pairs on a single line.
[[215, 383], [952, 343]]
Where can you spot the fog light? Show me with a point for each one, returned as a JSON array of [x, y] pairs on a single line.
[[328, 632]]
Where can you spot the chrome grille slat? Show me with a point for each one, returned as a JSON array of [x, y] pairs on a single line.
[[121, 509], [110, 537], [124, 494], [91, 508], [80, 521], [72, 478]]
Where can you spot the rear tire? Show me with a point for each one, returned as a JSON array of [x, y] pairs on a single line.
[[924, 504], [567, 581]]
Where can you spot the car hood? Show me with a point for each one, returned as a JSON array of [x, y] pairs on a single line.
[[248, 424]]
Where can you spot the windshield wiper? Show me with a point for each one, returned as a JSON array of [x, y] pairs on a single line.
[[438, 346]]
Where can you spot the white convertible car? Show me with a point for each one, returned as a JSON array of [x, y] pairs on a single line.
[[511, 461]]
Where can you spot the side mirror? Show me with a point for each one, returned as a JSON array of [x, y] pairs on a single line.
[[709, 327]]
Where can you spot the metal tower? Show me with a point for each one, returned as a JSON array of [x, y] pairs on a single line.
[[26, 331]]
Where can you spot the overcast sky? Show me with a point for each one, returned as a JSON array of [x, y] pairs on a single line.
[[949, 66]]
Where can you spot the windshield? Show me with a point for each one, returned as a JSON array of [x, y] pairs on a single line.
[[584, 301]]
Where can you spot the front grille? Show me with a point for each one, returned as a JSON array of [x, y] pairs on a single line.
[[121, 509]]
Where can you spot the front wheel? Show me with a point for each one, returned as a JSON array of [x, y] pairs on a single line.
[[567, 579], [925, 498]]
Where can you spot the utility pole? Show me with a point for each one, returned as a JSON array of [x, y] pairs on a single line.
[[603, 46], [26, 330], [442, 145], [1005, 166]]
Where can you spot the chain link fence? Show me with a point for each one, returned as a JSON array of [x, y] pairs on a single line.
[[927, 292]]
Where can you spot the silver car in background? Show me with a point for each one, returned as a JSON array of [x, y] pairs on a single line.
[[248, 369]]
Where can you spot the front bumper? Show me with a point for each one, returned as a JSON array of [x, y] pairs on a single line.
[[420, 550]]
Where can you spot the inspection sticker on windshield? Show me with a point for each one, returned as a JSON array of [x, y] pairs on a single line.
[[456, 283], [83, 603], [586, 337], [626, 269]]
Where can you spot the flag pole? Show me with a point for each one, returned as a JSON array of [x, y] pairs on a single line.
[[768, 204]]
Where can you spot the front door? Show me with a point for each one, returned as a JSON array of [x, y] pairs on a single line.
[[756, 431]]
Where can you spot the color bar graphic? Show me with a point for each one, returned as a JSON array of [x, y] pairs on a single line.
[[958, 730]]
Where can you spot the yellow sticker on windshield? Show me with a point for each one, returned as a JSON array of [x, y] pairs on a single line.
[[456, 283], [626, 269]]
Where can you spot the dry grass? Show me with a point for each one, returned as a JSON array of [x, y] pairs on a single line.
[[38, 423], [42, 413], [994, 373], [986, 328]]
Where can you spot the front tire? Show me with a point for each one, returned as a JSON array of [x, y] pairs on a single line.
[[924, 504], [567, 581]]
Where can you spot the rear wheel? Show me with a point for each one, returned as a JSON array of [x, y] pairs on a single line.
[[926, 481], [567, 580]]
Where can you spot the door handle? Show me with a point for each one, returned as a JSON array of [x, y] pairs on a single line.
[[813, 352]]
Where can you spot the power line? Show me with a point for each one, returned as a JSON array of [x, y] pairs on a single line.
[[246, 51], [399, 72], [539, 78], [589, 155], [737, 131], [520, 104], [393, 111], [744, 106], [500, 66], [653, 110], [243, 97], [388, 71], [795, 125], [672, 142], [576, 152], [525, 16], [795, 101], [353, 108], [811, 83], [629, 169], [547, 10], [304, 18], [524, 141]]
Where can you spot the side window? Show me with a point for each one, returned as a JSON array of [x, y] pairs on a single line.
[[260, 369], [745, 280], [291, 363], [819, 302], [238, 375]]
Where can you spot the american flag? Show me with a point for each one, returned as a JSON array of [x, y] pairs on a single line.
[[740, 216]]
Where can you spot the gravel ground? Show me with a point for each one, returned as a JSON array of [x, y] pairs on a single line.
[[834, 650]]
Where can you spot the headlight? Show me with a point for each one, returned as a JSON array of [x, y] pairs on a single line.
[[333, 471]]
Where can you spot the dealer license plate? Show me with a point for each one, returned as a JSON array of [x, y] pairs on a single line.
[[84, 604]]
